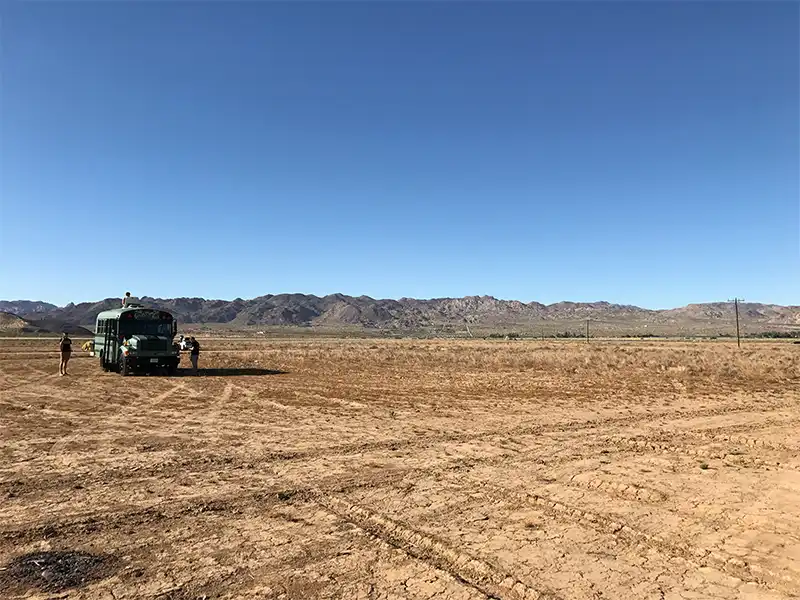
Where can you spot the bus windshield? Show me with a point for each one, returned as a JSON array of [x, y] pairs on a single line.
[[128, 328]]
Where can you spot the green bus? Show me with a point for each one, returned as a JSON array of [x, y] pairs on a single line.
[[135, 338]]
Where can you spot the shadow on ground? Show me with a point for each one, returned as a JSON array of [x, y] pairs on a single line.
[[253, 372]]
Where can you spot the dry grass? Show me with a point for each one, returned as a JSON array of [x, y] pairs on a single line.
[[410, 469], [701, 365]]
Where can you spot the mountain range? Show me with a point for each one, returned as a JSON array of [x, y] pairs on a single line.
[[17, 325], [337, 310]]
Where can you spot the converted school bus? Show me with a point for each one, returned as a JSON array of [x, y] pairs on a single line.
[[136, 338]]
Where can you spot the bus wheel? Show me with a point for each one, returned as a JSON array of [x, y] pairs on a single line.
[[125, 367]]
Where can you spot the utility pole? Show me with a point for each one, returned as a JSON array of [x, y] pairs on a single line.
[[587, 331], [736, 308]]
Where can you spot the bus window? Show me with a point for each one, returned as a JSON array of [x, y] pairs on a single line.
[[146, 328]]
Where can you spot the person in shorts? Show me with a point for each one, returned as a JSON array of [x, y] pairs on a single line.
[[65, 347], [194, 354]]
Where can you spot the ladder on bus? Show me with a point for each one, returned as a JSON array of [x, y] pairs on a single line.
[[110, 348]]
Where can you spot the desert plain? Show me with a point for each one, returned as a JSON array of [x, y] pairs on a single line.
[[420, 469]]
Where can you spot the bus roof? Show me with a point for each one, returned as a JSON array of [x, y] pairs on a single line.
[[117, 312]]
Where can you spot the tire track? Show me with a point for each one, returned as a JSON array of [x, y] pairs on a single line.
[[330, 399], [406, 538], [169, 510], [41, 372], [227, 393], [628, 491], [523, 429], [170, 392], [540, 454], [748, 441], [589, 445], [727, 433], [103, 521], [479, 574], [205, 463], [260, 401], [215, 409], [668, 445], [633, 537]]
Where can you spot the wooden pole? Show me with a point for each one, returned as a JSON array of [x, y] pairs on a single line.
[[738, 338], [587, 331]]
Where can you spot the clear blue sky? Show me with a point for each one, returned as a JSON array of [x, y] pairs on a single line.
[[635, 152]]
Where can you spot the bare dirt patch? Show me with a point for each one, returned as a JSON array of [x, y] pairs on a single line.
[[406, 469]]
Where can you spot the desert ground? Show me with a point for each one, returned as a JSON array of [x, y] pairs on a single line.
[[367, 469]]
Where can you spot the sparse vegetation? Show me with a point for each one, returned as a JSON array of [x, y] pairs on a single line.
[[318, 456], [775, 334], [640, 335], [504, 336]]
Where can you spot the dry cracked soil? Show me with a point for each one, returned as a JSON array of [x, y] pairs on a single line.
[[363, 469]]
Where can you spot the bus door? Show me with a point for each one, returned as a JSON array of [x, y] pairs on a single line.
[[111, 342]]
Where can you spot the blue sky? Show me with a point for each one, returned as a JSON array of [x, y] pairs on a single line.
[[635, 152]]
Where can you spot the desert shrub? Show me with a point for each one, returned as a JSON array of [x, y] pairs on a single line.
[[775, 334]]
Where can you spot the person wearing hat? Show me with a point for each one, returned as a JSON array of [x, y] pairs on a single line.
[[65, 347]]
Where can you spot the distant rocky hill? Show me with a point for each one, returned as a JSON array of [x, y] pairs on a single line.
[[338, 310], [13, 324], [25, 307]]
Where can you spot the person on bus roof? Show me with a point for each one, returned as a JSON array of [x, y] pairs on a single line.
[[128, 300]]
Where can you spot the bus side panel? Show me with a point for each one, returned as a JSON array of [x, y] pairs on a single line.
[[98, 337], [105, 332]]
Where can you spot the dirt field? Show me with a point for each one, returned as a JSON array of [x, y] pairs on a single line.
[[405, 469]]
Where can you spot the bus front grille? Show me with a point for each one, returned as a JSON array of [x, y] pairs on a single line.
[[153, 346]]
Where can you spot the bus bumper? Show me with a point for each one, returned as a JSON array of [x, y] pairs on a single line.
[[153, 362]]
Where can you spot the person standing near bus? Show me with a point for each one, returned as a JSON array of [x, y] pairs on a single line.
[[194, 354], [65, 348]]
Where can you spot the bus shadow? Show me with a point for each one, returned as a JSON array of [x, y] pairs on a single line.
[[242, 372]]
